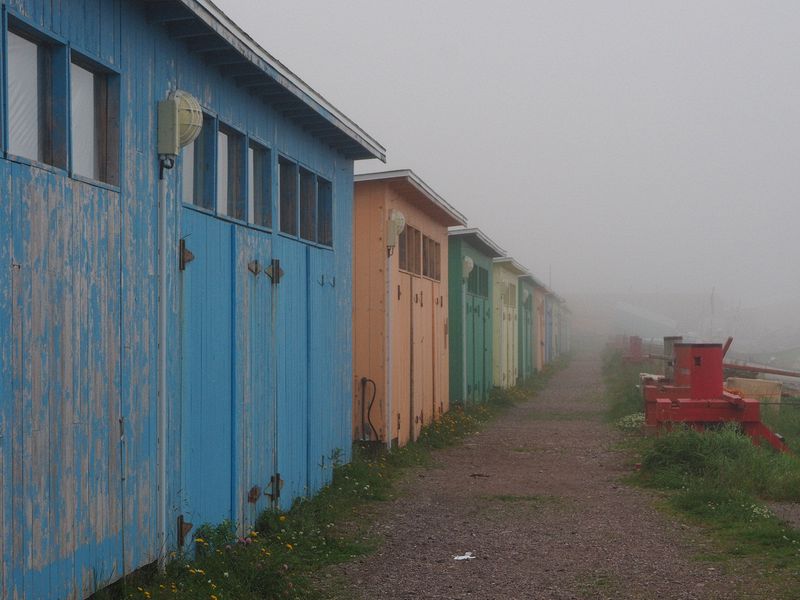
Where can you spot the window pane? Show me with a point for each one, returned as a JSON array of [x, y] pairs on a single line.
[[24, 98], [308, 206], [325, 216], [202, 170], [402, 247], [416, 267], [258, 186], [84, 134], [288, 196], [437, 261], [222, 173], [187, 173], [426, 256]]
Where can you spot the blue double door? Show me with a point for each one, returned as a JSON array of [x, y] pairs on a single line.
[[254, 343]]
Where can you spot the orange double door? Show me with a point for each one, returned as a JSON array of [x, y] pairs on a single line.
[[419, 378]]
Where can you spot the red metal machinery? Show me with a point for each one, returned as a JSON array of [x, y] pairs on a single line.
[[697, 397]]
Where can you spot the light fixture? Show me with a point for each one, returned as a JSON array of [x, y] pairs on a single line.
[[467, 267], [394, 227]]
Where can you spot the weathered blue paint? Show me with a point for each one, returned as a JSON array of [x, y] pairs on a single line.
[[259, 375]]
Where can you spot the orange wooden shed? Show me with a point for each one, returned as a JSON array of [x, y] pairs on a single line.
[[400, 311]]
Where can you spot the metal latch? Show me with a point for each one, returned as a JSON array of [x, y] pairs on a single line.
[[274, 271], [275, 484], [185, 256], [254, 267], [184, 527]]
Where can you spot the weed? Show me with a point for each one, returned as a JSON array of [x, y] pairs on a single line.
[[280, 556], [718, 478]]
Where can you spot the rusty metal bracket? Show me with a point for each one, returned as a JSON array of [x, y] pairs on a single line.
[[184, 527], [275, 484], [254, 267], [185, 256], [254, 494], [274, 271]]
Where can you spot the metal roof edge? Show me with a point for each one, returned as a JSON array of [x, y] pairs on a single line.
[[512, 262], [421, 186], [480, 236], [221, 23]]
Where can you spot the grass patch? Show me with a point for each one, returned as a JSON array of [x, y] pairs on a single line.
[[785, 419], [621, 379], [281, 555], [720, 479]]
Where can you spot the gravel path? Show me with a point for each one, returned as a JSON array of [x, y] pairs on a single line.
[[537, 499]]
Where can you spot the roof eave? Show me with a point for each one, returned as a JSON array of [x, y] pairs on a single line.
[[492, 249], [241, 42], [456, 218]]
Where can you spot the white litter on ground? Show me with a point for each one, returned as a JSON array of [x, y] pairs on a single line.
[[465, 556]]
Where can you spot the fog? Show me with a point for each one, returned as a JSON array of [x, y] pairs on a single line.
[[631, 151]]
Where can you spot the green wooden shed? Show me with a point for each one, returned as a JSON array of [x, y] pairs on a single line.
[[471, 254]]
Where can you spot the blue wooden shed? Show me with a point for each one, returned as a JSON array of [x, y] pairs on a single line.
[[160, 369]]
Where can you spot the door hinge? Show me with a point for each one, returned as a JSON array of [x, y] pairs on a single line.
[[184, 527], [275, 485], [274, 271], [185, 255]]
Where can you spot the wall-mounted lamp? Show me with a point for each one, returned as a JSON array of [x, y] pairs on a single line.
[[394, 227], [467, 267]]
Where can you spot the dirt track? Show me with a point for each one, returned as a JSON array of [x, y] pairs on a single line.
[[537, 499]]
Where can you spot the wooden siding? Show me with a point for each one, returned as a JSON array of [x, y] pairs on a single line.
[[506, 328], [419, 320], [470, 366], [527, 336], [78, 440], [539, 328]]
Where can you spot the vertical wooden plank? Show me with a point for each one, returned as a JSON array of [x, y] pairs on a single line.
[[254, 380], [293, 373], [6, 387]]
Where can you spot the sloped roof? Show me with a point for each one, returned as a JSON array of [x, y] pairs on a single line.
[[208, 31], [410, 184]]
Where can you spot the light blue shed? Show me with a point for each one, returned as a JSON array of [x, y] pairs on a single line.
[[123, 428]]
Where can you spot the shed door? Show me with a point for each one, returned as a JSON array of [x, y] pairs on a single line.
[[401, 374], [469, 350], [487, 339], [207, 370], [254, 421], [427, 343], [441, 374], [417, 407], [293, 371], [227, 371]]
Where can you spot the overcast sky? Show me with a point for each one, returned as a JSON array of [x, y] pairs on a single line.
[[629, 146]]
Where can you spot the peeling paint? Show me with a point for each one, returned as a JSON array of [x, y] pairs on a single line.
[[78, 338]]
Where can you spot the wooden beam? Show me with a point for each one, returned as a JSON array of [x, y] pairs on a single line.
[[182, 30], [225, 58], [205, 44], [168, 12]]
